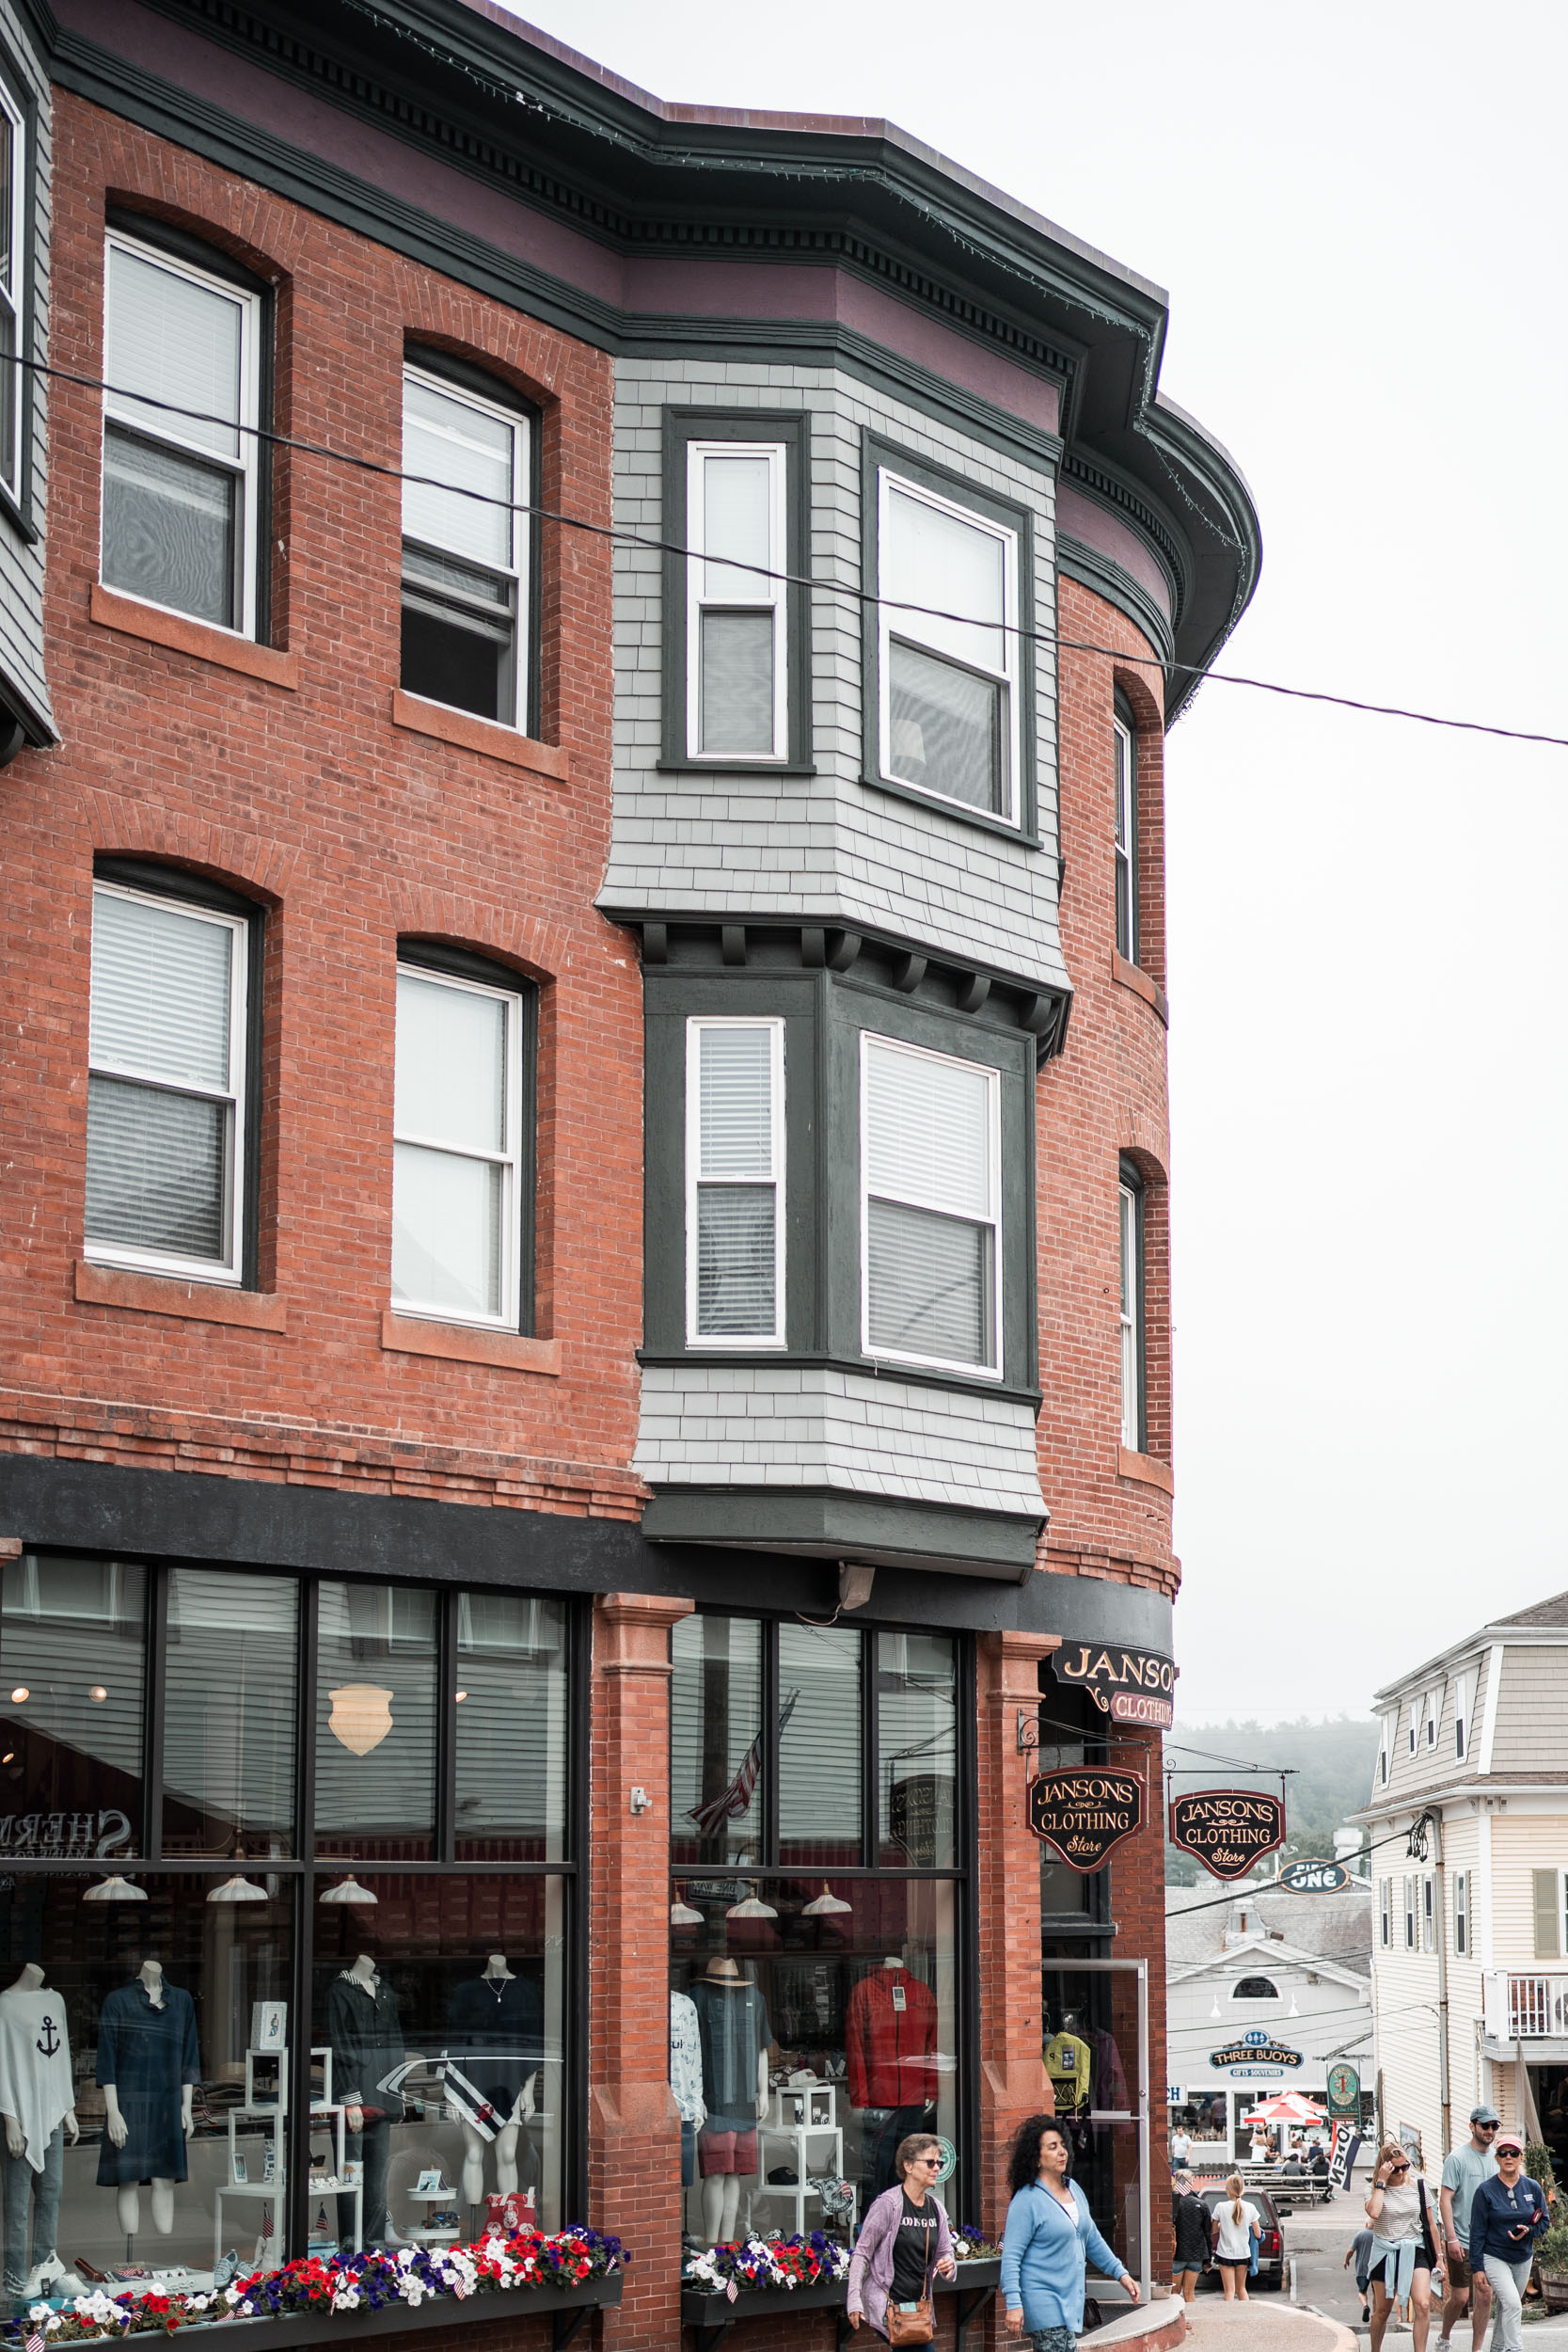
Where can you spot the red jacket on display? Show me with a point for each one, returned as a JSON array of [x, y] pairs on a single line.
[[890, 2039]]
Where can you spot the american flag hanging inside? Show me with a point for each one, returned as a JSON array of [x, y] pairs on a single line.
[[731, 1803]]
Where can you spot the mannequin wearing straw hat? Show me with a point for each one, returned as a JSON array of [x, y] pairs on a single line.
[[735, 2038]]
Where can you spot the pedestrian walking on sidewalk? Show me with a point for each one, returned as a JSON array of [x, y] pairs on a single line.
[[1406, 2255], [1239, 2223], [903, 2242], [1507, 2214], [1463, 2173], [1193, 2241], [1049, 2241]]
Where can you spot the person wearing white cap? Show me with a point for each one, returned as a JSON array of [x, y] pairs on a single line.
[[1507, 2216]]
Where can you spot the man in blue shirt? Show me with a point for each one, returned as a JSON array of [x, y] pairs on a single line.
[[1463, 2173], [1507, 2214]]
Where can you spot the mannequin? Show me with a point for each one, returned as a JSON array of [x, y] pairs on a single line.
[[367, 2048], [685, 2078], [148, 2067], [495, 2047], [889, 2048], [1070, 2063], [36, 2087], [736, 2038]]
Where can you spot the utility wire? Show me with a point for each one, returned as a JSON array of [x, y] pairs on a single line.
[[793, 580], [1239, 1892]]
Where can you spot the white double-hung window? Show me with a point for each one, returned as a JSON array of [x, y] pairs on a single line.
[[734, 1182], [930, 1208], [181, 510], [948, 648], [465, 550], [1126, 838], [737, 617], [14, 183], [457, 1159], [1130, 1224], [167, 1085]]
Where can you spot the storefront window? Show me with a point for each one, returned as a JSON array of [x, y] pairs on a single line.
[[148, 2043], [72, 1653], [815, 2003]]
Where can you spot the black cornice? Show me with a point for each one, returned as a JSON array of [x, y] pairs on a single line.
[[638, 178]]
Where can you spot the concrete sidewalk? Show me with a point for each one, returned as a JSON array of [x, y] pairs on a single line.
[[1261, 2323]]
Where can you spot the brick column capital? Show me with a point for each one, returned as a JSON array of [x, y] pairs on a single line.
[[1009, 1668], [631, 1631]]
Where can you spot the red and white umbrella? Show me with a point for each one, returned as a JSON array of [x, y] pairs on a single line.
[[1288, 2107]]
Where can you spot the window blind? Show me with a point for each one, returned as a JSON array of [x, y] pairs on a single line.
[[737, 1206], [736, 605], [929, 1234], [161, 988], [1546, 1903], [174, 340], [472, 450], [457, 1142]]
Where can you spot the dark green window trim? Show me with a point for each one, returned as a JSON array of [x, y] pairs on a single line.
[[682, 426], [878, 452], [824, 1014]]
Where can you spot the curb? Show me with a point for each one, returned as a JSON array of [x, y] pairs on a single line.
[[1160, 2327]]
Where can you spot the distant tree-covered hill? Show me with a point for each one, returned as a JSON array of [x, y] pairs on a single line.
[[1331, 1775]]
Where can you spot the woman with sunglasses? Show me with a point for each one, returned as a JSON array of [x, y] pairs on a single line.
[[1405, 2255], [903, 2239], [1507, 2214], [1049, 2242]]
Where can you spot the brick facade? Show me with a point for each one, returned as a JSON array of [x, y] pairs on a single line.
[[296, 774]]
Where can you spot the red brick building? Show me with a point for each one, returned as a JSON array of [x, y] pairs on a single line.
[[586, 1382]]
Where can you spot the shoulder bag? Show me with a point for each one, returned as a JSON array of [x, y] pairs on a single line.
[[912, 2323]]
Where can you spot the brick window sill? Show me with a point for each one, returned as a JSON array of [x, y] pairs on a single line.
[[1146, 1469], [409, 1335], [172, 1294], [217, 646], [1128, 975], [480, 735]]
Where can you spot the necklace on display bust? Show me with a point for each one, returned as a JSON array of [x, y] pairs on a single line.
[[498, 1976]]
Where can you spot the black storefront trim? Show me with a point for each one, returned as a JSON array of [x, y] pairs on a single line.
[[712, 2313], [188, 1515]]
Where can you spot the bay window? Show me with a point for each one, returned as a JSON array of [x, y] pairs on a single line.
[[168, 1083], [465, 549], [181, 507], [734, 1161], [948, 655], [240, 1799], [738, 656], [931, 1207]]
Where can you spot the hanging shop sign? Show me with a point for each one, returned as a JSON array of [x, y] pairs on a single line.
[[1344, 2094], [1306, 1876], [1255, 2055], [1347, 2146], [1131, 1686], [1085, 1814], [1228, 1830]]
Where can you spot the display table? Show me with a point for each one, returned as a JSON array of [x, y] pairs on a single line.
[[803, 2116]]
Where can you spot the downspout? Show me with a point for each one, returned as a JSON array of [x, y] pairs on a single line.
[[1440, 1923]]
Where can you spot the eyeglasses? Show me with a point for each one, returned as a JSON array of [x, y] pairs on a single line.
[[1395, 2170], [931, 2160], [1489, 2127]]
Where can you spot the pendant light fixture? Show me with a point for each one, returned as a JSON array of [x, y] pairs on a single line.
[[681, 1913], [114, 1889], [237, 1890], [348, 1890], [751, 1906], [823, 1904]]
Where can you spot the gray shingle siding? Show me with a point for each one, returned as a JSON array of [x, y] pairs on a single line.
[[22, 671], [823, 847]]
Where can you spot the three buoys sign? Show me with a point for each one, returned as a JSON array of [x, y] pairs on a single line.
[[1084, 1814], [1228, 1830]]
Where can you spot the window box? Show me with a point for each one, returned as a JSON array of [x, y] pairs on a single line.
[[712, 2312], [570, 2305]]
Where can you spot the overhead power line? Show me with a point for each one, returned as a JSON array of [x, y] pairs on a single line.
[[1049, 638]]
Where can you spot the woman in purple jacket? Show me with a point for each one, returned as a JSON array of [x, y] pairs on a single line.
[[904, 2237]]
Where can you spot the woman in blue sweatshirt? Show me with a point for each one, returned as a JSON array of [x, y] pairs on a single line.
[[1507, 2214], [1048, 2239]]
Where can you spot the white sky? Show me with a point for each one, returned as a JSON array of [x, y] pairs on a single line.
[[1359, 212]]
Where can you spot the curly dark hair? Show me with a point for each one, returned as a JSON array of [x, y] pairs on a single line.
[[1024, 2162]]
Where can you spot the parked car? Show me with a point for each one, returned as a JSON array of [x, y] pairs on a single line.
[[1270, 2245]]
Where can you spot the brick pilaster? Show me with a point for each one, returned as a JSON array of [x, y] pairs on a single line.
[[1013, 2080], [634, 2130]]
